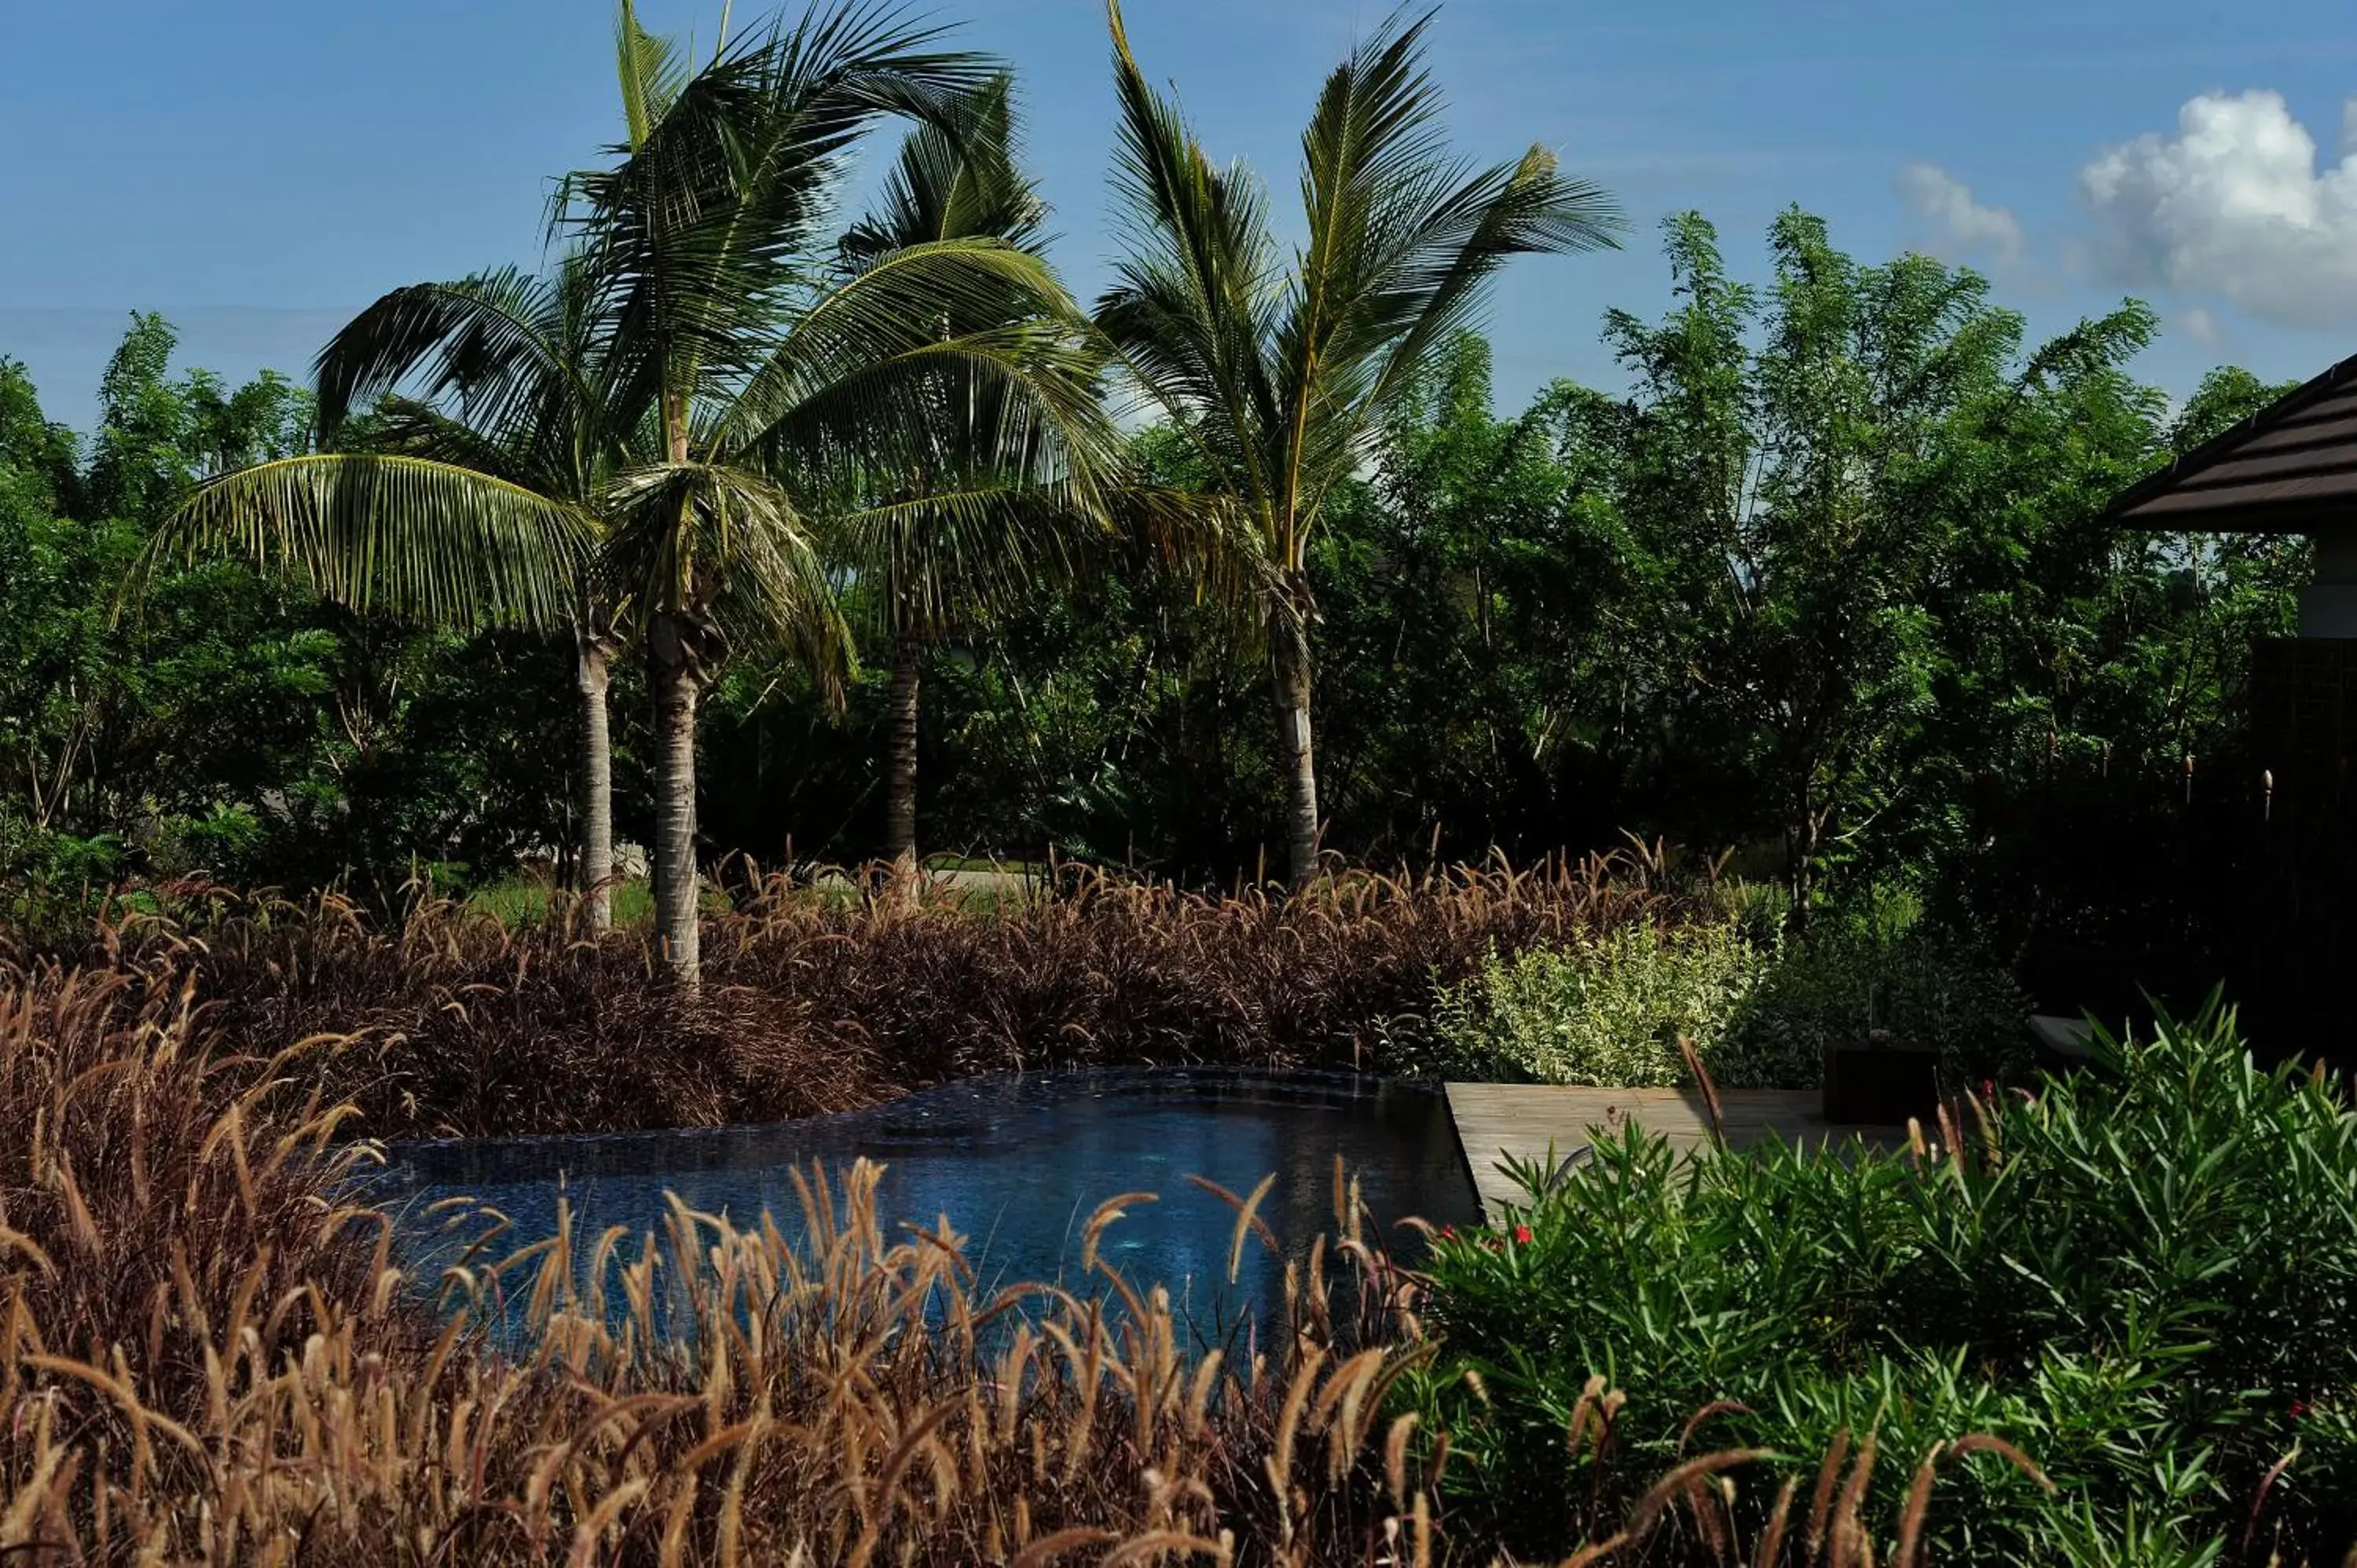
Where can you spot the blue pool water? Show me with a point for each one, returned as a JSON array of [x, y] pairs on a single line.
[[1017, 1163]]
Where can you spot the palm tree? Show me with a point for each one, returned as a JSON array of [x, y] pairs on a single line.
[[1283, 374], [734, 382], [989, 514], [772, 380], [470, 506], [513, 391]]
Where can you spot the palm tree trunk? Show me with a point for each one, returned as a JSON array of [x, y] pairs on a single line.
[[674, 682], [674, 663], [900, 762], [593, 677], [1289, 661]]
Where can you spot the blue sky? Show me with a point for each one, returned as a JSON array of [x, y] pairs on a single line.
[[258, 169]]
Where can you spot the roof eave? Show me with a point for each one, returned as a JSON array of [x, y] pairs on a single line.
[[2161, 481]]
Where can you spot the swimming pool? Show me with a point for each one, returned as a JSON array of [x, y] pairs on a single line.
[[1017, 1164]]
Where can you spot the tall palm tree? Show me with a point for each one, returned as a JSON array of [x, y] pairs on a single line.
[[772, 378], [511, 389], [1282, 371], [472, 504], [737, 382], [989, 514]]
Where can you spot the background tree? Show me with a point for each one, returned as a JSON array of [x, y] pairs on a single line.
[[778, 385], [1283, 375], [1801, 491], [1528, 620], [713, 387], [513, 390], [1475, 597], [984, 517], [223, 724]]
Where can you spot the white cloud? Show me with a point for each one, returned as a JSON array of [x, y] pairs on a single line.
[[2234, 204], [1960, 227], [2203, 327]]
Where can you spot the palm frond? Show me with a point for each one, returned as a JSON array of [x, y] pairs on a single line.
[[502, 350], [964, 552], [700, 232], [425, 541], [405, 427], [713, 538], [1282, 376], [1402, 240], [651, 71], [1452, 249], [877, 374], [1191, 306], [954, 179]]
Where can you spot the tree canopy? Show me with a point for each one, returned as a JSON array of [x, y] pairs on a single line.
[[1826, 582]]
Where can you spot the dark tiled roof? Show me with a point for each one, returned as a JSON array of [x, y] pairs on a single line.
[[2290, 466]]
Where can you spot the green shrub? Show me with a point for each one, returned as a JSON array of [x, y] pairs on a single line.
[[1883, 970], [1607, 1009], [2147, 1278]]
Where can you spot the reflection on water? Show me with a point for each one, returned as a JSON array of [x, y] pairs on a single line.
[[1016, 1163]]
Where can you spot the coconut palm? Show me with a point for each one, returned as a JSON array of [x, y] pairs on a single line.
[[512, 391], [735, 382], [1283, 373], [989, 514], [473, 504], [774, 381]]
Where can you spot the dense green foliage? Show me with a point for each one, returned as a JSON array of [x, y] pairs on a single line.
[[1830, 578], [1761, 1009], [1610, 1009], [214, 722], [2144, 1277]]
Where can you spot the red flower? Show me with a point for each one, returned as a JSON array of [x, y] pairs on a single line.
[[1449, 1233], [2298, 1409], [1523, 1234], [1988, 1089]]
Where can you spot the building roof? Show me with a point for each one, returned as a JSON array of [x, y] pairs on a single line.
[[2288, 469]]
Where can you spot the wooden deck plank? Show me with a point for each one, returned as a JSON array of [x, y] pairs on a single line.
[[1525, 1121]]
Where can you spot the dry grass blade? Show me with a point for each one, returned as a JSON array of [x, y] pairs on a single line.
[[1988, 1443], [1646, 1517], [1821, 1502], [1248, 1220], [1851, 1543], [1769, 1550], [1703, 1081], [1039, 1553], [1919, 1504], [1715, 1408], [2259, 1498]]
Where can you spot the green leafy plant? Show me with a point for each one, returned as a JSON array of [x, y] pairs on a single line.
[[1610, 1009], [1761, 1010], [1882, 972], [2144, 1278]]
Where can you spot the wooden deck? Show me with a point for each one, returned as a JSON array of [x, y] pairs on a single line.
[[1526, 1121]]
